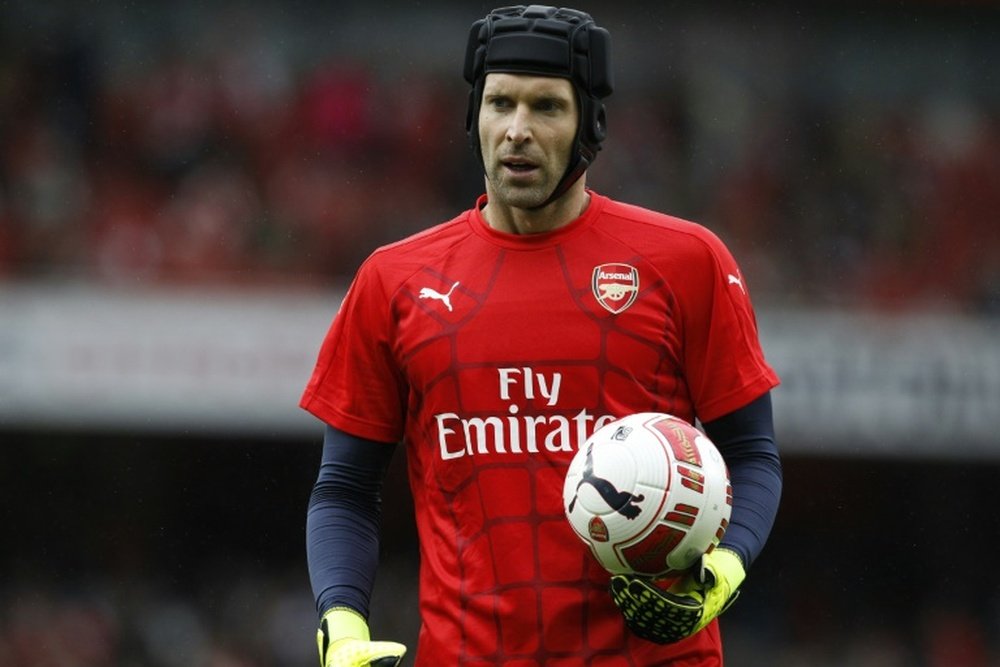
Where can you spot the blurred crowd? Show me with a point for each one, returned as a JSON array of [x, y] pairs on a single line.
[[260, 622], [228, 166], [244, 161]]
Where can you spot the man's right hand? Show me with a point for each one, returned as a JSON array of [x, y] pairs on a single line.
[[344, 641]]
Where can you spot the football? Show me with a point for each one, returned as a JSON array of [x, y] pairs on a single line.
[[649, 494]]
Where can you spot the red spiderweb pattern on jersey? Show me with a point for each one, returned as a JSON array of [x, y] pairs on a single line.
[[537, 604]]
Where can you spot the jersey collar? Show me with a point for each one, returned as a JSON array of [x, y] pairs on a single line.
[[542, 239]]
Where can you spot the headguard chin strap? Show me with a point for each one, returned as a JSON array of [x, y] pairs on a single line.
[[545, 41]]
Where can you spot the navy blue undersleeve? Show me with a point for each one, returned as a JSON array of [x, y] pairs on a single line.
[[343, 520], [745, 437]]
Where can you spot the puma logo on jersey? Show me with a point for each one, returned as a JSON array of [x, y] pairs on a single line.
[[734, 280], [428, 293]]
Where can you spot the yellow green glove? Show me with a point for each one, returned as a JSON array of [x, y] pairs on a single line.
[[667, 616], [344, 641]]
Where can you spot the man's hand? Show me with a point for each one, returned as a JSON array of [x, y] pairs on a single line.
[[344, 641], [667, 616]]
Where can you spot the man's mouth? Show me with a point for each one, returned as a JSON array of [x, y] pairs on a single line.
[[519, 166]]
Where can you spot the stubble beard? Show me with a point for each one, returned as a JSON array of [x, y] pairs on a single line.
[[526, 196]]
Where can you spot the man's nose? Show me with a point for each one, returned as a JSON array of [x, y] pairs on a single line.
[[519, 129]]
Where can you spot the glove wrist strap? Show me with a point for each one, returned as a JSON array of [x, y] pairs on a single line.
[[345, 623], [734, 553]]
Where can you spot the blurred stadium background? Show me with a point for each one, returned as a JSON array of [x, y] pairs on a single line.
[[186, 188]]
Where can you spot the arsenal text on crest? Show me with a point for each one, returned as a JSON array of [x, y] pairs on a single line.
[[615, 286]]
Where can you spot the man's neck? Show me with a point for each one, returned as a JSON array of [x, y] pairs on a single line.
[[515, 220]]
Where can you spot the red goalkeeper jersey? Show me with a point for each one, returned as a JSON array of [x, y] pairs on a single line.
[[492, 357]]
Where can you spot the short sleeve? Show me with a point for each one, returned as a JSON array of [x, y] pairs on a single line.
[[355, 385], [723, 359]]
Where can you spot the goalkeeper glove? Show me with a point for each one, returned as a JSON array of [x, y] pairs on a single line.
[[344, 641], [687, 606]]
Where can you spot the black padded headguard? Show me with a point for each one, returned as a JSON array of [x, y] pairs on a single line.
[[545, 41]]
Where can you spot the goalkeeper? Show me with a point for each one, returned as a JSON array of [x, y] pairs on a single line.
[[491, 345]]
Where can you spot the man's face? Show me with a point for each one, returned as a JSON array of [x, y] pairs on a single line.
[[526, 129]]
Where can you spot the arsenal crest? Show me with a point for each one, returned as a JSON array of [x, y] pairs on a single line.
[[615, 286]]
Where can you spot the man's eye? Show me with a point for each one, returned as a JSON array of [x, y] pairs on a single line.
[[549, 106]]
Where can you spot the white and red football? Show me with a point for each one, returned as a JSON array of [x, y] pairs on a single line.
[[649, 494]]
